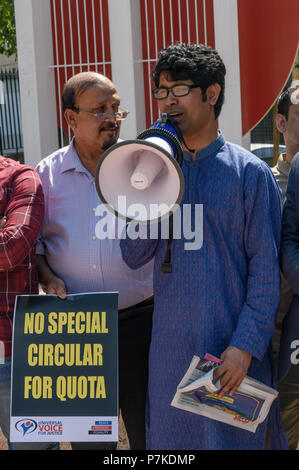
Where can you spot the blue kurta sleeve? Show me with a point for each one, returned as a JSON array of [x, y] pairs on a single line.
[[137, 247], [290, 231], [261, 243]]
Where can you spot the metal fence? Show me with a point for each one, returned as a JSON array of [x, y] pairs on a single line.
[[11, 139], [81, 42], [164, 22]]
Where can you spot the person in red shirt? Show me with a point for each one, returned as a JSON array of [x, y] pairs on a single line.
[[21, 214]]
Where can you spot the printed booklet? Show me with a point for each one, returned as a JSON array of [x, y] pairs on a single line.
[[197, 393]]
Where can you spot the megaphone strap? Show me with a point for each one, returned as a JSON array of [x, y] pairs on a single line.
[[177, 130], [166, 265]]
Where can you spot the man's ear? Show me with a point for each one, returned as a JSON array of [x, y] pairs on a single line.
[[281, 122], [71, 118], [213, 92]]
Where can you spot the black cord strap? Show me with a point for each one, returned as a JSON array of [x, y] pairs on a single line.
[[152, 132], [166, 265]]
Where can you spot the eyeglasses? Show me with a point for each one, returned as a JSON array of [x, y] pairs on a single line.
[[119, 115], [176, 90]]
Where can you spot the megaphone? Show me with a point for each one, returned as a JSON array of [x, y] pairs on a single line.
[[142, 179]]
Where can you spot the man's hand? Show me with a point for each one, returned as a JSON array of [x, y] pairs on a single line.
[[49, 282], [233, 369], [56, 286]]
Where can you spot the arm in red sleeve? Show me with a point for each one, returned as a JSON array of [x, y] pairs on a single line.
[[24, 213]]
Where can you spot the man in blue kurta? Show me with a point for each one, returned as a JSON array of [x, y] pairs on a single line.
[[222, 297]]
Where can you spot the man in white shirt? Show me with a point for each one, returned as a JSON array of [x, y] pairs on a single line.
[[71, 257]]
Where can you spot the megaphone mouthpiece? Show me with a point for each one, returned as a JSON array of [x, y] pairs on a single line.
[[148, 167]]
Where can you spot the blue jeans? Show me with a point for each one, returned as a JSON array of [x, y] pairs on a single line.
[[5, 371]]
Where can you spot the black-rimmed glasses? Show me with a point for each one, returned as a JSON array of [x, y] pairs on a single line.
[[176, 90]]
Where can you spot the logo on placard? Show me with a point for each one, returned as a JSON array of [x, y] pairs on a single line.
[[50, 428], [101, 427], [26, 426]]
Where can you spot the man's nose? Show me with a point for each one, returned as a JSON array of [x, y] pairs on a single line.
[[167, 103], [170, 98]]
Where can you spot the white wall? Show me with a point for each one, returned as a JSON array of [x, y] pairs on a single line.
[[227, 44], [126, 54]]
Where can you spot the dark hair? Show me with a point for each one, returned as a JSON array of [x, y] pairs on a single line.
[[77, 85], [197, 62], [284, 101]]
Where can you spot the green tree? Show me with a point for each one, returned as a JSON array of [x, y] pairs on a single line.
[[8, 43]]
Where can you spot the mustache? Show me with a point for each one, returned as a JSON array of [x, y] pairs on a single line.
[[110, 125]]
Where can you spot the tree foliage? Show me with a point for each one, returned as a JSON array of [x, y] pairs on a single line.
[[8, 43]]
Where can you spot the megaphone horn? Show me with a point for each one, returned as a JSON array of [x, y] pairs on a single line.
[[147, 171]]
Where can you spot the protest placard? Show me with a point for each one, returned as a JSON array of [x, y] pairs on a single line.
[[65, 368]]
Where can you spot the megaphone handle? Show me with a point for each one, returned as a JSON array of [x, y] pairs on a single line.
[[166, 265], [155, 131]]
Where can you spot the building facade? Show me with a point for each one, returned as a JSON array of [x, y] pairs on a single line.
[[122, 39]]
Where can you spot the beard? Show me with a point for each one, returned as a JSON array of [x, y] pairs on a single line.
[[111, 138], [108, 142]]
